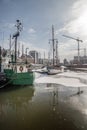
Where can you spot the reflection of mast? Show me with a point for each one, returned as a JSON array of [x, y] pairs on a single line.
[[79, 91], [55, 98], [53, 95]]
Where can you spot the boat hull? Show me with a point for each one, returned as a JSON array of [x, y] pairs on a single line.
[[25, 78], [53, 71]]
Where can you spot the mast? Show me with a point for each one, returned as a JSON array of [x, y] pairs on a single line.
[[26, 54], [78, 52], [15, 49], [22, 49], [44, 55], [18, 49], [0, 59], [35, 58], [84, 52], [19, 28], [57, 53], [53, 42], [10, 46]]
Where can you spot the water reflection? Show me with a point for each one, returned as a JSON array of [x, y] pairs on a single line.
[[54, 97], [15, 103], [43, 107], [79, 91], [72, 103]]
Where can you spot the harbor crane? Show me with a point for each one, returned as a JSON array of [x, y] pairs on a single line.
[[78, 40]]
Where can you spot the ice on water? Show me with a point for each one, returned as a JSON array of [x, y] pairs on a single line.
[[69, 79]]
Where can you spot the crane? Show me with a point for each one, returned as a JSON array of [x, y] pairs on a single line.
[[78, 40]]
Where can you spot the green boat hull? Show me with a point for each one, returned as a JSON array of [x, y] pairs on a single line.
[[25, 78]]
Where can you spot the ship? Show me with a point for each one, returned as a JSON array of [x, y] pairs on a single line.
[[54, 68], [18, 73]]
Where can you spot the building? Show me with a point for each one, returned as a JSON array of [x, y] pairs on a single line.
[[35, 55], [65, 62], [82, 60], [28, 58]]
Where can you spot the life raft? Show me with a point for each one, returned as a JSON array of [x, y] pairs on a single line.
[[21, 68]]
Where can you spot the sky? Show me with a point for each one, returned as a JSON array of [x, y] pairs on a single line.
[[69, 17]]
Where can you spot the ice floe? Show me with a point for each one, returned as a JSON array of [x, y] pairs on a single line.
[[69, 79]]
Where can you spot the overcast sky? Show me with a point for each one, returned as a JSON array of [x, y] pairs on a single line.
[[69, 17]]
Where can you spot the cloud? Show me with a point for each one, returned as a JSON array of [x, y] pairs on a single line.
[[76, 23], [32, 31], [7, 26], [67, 49], [75, 26]]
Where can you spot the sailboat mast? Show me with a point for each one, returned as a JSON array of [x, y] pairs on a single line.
[[18, 49], [22, 49], [53, 42], [57, 52], [0, 59], [10, 46], [53, 45], [15, 49], [19, 28]]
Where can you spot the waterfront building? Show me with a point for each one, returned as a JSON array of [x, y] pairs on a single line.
[[83, 60], [35, 55], [65, 62], [28, 58]]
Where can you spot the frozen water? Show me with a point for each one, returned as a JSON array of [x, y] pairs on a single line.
[[69, 79]]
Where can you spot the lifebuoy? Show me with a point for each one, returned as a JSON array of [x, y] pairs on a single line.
[[21, 68]]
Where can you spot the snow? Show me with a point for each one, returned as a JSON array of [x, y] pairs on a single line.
[[68, 79]]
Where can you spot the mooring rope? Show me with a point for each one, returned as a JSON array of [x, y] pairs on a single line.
[[8, 82]]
